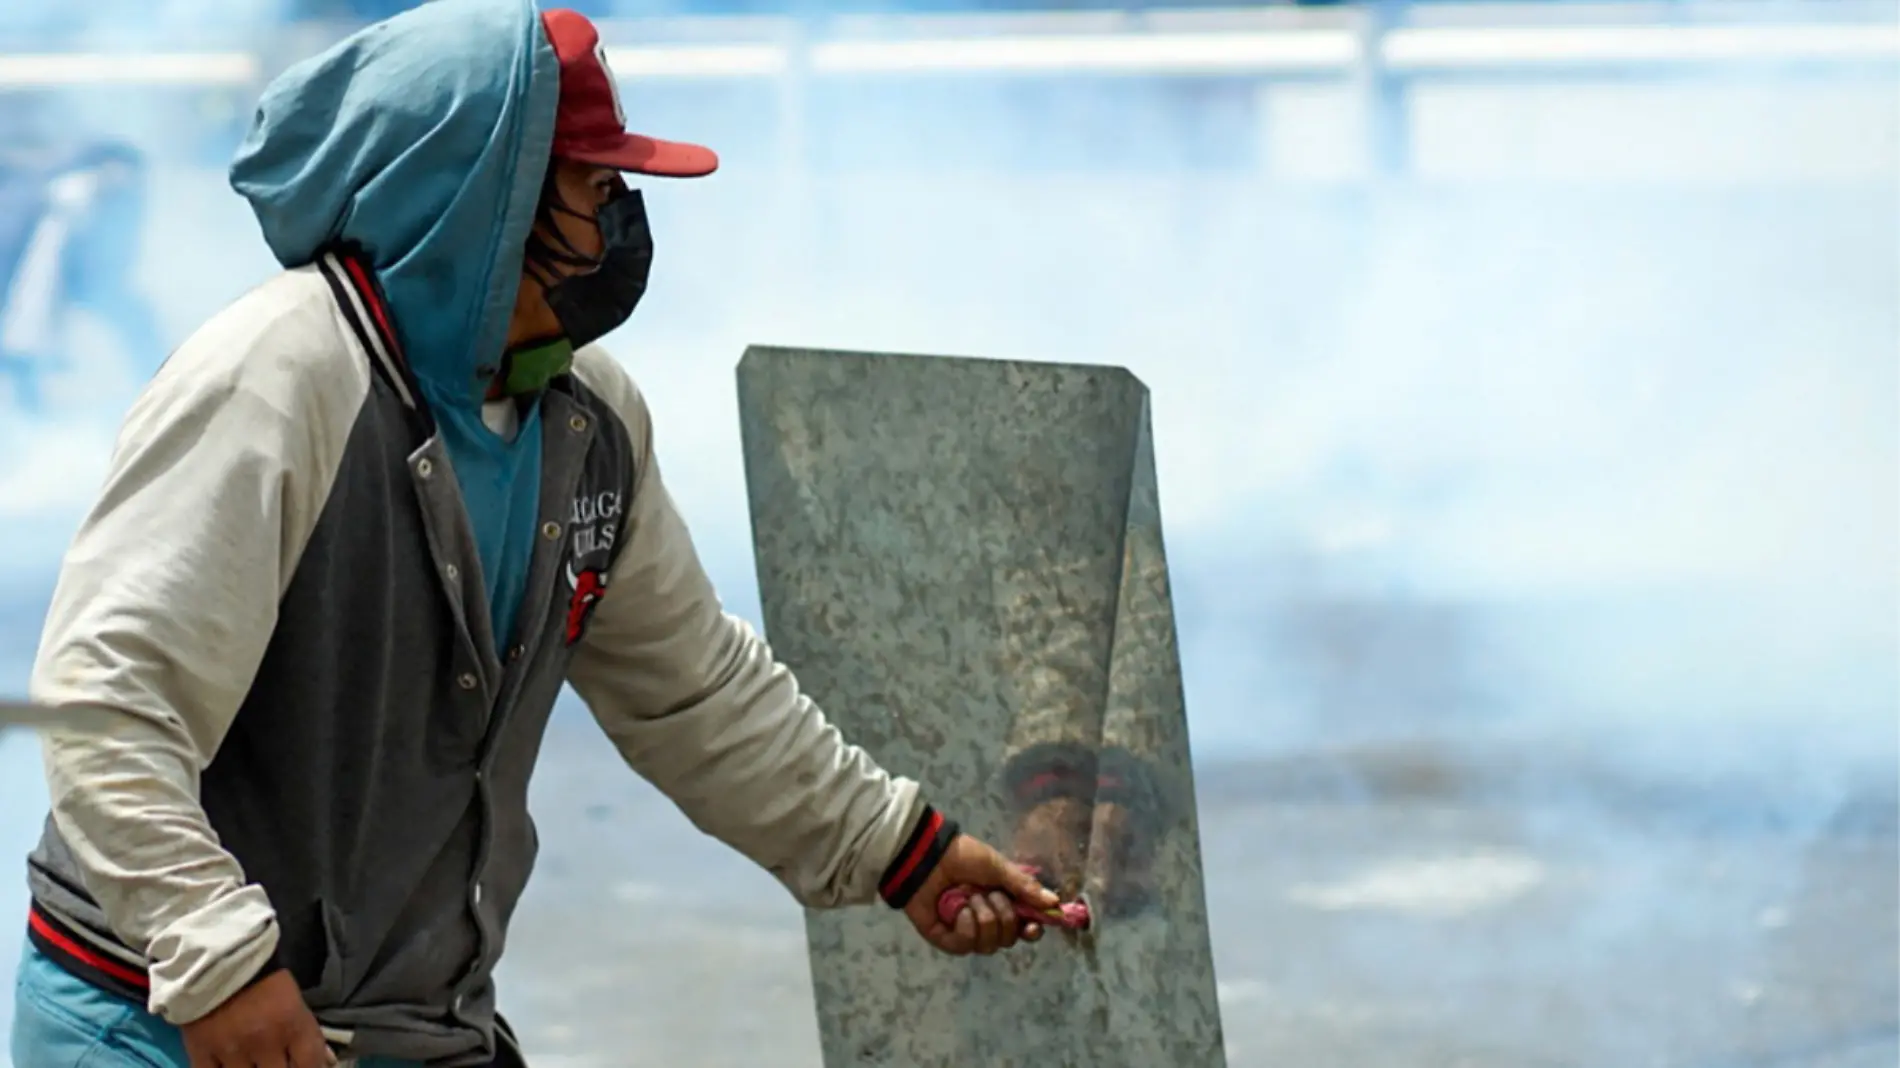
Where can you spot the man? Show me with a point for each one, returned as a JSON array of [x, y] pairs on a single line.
[[357, 532], [69, 230]]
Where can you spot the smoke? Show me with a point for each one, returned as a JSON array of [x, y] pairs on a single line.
[[1579, 489], [1614, 455]]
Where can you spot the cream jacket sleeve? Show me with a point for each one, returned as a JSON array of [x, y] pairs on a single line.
[[695, 702], [165, 603]]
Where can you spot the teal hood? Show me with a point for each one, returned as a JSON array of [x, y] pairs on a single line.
[[424, 140]]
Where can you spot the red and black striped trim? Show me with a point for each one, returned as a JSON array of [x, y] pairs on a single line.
[[918, 858], [81, 956], [76, 953], [359, 296]]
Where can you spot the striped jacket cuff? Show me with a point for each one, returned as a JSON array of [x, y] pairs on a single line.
[[82, 958], [914, 862]]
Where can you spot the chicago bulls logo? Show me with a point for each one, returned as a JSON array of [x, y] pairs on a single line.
[[589, 587], [593, 527]]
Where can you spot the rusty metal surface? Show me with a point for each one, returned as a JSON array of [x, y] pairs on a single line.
[[962, 560]]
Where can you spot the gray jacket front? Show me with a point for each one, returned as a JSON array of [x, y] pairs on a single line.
[[294, 739]]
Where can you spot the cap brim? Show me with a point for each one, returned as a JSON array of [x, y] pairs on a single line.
[[636, 154]]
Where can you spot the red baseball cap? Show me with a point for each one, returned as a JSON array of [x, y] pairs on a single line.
[[589, 124]]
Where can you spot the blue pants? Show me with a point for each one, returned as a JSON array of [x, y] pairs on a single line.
[[62, 1021]]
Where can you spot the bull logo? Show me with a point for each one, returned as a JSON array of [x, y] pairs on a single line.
[[589, 587]]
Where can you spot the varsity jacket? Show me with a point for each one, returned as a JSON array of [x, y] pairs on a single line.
[[316, 753]]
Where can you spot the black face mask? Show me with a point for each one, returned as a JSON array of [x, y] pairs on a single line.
[[589, 306]]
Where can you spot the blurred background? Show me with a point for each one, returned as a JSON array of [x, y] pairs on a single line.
[[1526, 383]]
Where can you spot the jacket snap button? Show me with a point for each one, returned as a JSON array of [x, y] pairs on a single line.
[[550, 530], [452, 572], [577, 424], [467, 681], [424, 467]]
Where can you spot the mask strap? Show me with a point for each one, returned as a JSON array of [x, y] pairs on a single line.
[[542, 258]]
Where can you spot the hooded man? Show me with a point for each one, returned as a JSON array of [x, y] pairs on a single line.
[[358, 531]]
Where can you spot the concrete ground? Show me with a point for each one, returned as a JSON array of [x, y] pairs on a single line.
[[1407, 926]]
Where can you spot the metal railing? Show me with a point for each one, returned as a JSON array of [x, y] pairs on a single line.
[[1268, 42]]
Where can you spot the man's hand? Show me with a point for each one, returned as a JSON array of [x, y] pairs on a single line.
[[265, 1025], [988, 923]]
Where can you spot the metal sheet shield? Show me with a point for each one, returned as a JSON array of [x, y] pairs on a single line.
[[962, 560]]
